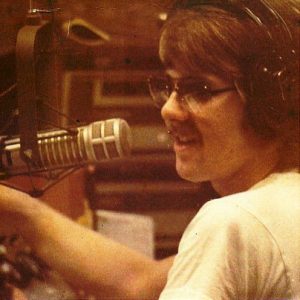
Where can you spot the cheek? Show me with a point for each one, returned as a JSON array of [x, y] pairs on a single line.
[[223, 117]]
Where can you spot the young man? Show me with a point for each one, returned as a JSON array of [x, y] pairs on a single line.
[[230, 101]]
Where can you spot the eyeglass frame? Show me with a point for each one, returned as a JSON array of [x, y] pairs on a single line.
[[176, 87]]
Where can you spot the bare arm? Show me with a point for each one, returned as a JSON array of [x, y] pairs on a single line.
[[85, 258]]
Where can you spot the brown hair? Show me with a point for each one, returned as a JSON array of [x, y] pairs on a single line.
[[264, 65]]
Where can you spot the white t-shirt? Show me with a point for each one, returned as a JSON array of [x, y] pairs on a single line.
[[243, 246]]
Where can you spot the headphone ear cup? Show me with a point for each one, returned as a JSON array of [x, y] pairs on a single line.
[[267, 97]]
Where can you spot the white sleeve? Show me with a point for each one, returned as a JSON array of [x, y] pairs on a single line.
[[226, 253]]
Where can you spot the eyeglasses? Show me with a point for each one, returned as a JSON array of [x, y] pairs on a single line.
[[189, 90]]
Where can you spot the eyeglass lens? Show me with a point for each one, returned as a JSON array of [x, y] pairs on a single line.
[[161, 89]]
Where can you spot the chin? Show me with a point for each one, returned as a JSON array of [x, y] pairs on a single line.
[[190, 173]]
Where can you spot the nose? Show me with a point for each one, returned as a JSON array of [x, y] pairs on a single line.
[[173, 109]]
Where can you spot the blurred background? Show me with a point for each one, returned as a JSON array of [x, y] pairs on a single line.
[[103, 53]]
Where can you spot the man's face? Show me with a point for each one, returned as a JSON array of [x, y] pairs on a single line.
[[211, 140]]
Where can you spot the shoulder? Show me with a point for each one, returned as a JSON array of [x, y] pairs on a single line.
[[217, 250], [275, 199], [221, 221], [250, 213], [279, 182], [279, 192]]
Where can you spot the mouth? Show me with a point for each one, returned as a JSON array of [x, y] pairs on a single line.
[[183, 140]]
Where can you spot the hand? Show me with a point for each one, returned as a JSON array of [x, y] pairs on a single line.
[[14, 293]]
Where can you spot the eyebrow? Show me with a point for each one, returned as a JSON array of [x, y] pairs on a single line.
[[200, 80], [203, 78]]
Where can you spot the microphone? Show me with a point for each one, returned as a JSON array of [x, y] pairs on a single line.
[[101, 140]]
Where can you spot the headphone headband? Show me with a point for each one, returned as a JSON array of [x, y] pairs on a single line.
[[258, 11]]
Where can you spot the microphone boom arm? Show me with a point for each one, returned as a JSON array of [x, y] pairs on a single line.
[[33, 41]]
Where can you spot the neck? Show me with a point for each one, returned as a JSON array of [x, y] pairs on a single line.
[[254, 170]]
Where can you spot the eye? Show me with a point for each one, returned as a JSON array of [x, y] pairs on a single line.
[[168, 87], [197, 91], [159, 85], [200, 97]]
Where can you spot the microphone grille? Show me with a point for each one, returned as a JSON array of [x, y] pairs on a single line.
[[125, 138], [108, 139]]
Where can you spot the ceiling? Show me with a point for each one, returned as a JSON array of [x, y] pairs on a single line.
[[128, 29], [107, 25], [132, 20]]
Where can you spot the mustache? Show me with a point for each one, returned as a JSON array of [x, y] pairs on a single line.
[[180, 128]]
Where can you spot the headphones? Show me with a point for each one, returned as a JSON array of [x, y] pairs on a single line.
[[276, 75]]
